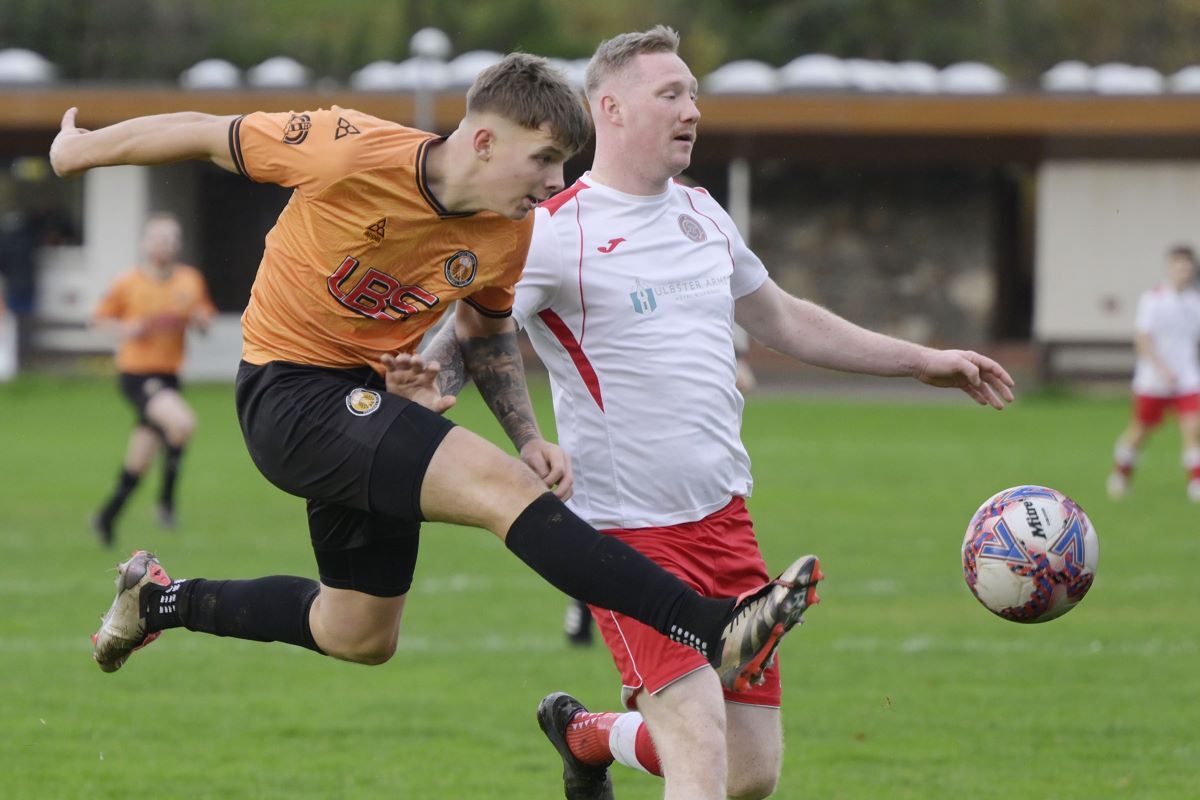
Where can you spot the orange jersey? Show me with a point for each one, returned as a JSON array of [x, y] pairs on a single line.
[[165, 307], [364, 259]]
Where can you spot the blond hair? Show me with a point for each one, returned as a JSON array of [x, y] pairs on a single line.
[[528, 91], [614, 55]]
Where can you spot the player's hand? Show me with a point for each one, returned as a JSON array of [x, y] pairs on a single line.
[[67, 132], [1168, 376], [134, 328], [199, 321], [984, 380], [409, 376], [552, 464]]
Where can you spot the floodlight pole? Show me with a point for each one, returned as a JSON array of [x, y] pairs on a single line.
[[428, 45], [739, 195]]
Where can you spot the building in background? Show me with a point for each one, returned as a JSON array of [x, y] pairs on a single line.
[[930, 204]]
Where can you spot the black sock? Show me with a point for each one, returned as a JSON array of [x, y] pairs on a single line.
[[273, 609], [126, 483], [606, 572], [171, 458]]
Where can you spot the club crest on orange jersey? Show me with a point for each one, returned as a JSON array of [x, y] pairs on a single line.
[[461, 268], [691, 228], [362, 402], [297, 129]]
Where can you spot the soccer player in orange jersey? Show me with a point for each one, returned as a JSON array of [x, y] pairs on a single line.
[[150, 309], [386, 226]]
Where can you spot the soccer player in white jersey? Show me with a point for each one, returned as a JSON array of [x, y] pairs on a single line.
[[629, 295], [1167, 375]]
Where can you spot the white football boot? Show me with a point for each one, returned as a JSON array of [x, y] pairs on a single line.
[[760, 619], [123, 628]]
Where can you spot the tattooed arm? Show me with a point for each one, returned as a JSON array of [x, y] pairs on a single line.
[[486, 349], [443, 348], [491, 356]]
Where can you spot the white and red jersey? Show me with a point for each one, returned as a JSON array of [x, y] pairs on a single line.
[[629, 302], [1172, 321]]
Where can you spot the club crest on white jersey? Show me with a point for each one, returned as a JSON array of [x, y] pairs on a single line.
[[691, 228]]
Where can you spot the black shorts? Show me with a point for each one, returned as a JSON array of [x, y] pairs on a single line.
[[138, 389], [358, 456]]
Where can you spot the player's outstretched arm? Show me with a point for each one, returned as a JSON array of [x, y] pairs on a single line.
[[143, 141], [493, 360], [981, 378], [814, 335]]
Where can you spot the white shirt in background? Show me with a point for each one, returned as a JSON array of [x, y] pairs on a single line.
[[1172, 321]]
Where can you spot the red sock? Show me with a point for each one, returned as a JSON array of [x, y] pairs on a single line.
[[598, 739], [587, 737], [1191, 462], [631, 745], [647, 756]]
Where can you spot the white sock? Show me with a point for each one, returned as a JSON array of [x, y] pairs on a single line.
[[622, 740], [1124, 455], [1191, 458]]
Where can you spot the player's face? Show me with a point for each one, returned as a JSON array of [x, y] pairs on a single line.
[[161, 241], [1181, 272], [662, 116], [523, 168]]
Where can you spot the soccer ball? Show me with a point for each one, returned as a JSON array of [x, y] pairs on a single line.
[[1030, 554]]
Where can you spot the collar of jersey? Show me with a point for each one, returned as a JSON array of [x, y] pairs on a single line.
[[640, 199], [426, 193]]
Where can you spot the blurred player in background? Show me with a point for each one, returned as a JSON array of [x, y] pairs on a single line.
[[1167, 375], [629, 296], [150, 308], [385, 228], [578, 624]]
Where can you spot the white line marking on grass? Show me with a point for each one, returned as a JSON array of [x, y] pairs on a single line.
[[1148, 648], [465, 582], [543, 643], [492, 643]]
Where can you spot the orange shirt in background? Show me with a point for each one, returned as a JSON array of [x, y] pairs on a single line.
[[165, 306], [364, 259]]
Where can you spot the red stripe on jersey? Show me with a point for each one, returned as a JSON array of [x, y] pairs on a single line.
[[567, 339], [559, 200]]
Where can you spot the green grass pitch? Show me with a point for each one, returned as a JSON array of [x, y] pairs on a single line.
[[899, 686]]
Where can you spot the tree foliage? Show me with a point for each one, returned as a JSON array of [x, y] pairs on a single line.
[[157, 39]]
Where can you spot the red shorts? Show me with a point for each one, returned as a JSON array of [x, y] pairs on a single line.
[[717, 556], [1149, 410]]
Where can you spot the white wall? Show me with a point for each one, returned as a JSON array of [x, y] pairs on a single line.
[[1103, 229], [72, 280], [214, 355], [8, 345]]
